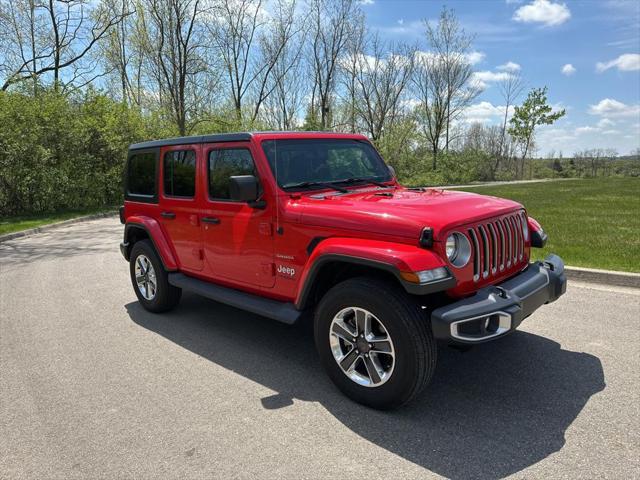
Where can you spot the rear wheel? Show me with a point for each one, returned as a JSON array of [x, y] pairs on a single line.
[[150, 280], [375, 342]]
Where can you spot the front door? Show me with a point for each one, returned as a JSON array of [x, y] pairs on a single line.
[[179, 212], [238, 238]]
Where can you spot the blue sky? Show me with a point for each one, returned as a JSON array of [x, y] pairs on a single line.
[[586, 52]]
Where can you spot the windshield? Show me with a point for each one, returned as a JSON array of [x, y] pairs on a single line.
[[305, 163]]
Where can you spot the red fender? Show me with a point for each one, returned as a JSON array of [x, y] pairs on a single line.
[[156, 235], [394, 257]]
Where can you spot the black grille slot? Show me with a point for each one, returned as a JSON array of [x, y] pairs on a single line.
[[475, 247], [494, 248], [484, 240]]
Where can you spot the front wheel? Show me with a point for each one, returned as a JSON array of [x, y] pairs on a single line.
[[375, 342]]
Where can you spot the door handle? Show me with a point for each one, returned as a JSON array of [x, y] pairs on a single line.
[[212, 220], [170, 215]]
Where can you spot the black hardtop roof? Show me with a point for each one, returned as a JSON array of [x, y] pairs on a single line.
[[218, 137], [224, 137]]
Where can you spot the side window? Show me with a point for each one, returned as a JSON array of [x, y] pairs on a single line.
[[141, 175], [179, 169], [225, 163]]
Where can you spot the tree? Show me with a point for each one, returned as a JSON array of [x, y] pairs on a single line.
[[510, 89], [381, 76], [124, 52], [61, 35], [286, 85], [331, 23], [533, 112], [355, 45], [174, 50], [252, 46], [430, 87], [452, 46]]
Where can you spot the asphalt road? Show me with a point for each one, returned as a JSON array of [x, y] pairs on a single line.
[[92, 386]]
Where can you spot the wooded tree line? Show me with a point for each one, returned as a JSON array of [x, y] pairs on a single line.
[[153, 68]]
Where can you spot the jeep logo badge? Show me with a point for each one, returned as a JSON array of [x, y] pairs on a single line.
[[286, 271]]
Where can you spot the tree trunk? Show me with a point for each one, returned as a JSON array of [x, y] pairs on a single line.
[[56, 46]]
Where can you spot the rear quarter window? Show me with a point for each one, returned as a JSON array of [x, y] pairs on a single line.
[[142, 177], [180, 173]]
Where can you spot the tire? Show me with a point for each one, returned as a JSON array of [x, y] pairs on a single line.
[[410, 363], [165, 296]]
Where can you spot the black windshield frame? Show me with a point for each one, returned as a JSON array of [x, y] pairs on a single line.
[[379, 171]]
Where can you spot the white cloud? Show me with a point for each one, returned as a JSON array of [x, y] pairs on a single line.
[[603, 127], [488, 76], [543, 11], [474, 57], [509, 67], [627, 62], [605, 122], [609, 107], [586, 129], [414, 28], [366, 2], [484, 78], [568, 70], [560, 137], [485, 112]]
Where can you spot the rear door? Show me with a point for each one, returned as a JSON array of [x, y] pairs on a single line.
[[238, 238], [179, 195]]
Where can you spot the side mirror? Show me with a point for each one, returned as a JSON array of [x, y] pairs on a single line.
[[243, 188], [392, 170]]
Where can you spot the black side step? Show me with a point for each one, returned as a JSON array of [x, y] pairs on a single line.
[[281, 311]]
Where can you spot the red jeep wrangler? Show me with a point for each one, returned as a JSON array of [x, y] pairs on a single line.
[[281, 224]]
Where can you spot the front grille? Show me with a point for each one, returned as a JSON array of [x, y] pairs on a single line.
[[496, 244]]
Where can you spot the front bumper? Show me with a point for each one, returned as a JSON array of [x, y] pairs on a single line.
[[496, 310]]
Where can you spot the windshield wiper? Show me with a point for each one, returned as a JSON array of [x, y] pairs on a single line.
[[353, 180], [316, 184]]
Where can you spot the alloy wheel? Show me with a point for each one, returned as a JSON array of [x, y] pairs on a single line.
[[145, 277], [362, 346]]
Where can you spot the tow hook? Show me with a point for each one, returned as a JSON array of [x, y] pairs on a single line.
[[501, 292]]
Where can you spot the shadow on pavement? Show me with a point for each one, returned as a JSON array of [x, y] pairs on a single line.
[[489, 412], [78, 239]]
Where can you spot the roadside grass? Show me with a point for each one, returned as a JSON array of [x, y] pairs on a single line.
[[16, 224], [591, 223]]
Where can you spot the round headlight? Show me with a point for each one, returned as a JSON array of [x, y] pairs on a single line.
[[458, 249], [451, 247], [525, 227]]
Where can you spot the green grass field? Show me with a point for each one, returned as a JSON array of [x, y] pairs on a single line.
[[591, 223], [16, 224]]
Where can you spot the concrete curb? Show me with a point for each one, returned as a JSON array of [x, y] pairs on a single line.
[[606, 277], [45, 228]]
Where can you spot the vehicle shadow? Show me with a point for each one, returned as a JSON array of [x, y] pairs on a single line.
[[489, 412]]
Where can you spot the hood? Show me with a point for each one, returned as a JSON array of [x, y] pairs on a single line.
[[400, 212]]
